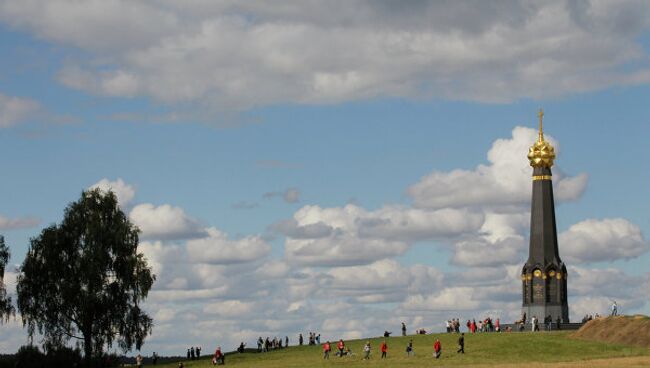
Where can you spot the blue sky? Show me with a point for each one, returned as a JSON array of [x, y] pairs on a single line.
[[222, 132]]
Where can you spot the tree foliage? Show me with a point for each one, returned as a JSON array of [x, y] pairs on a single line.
[[84, 279], [6, 307]]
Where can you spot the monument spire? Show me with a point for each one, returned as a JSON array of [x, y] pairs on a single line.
[[541, 127], [544, 274]]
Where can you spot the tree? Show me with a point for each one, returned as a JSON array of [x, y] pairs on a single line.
[[84, 279], [6, 308]]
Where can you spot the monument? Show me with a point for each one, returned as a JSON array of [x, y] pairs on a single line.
[[544, 275]]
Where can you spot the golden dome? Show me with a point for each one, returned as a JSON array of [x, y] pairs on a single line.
[[542, 153]]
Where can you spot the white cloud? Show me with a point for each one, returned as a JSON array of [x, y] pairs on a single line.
[[602, 240], [18, 223], [351, 235], [165, 222], [506, 181], [217, 248], [489, 52], [123, 191], [16, 109]]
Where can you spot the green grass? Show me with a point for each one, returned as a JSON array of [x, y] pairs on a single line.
[[489, 349]]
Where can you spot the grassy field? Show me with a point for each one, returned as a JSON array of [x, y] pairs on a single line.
[[505, 349]]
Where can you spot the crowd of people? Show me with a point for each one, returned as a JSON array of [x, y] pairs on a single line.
[[485, 325], [268, 344]]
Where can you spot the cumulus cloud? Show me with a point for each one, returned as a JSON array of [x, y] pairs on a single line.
[[16, 109], [488, 52], [123, 191], [505, 181], [18, 223], [351, 235], [165, 222], [217, 248], [602, 240]]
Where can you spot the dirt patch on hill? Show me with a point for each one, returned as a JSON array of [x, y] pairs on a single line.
[[633, 362], [627, 330]]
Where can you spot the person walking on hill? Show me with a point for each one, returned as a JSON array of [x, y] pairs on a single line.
[[300, 340], [326, 350], [461, 344], [384, 349], [366, 350], [341, 347], [614, 309], [437, 349], [403, 329]]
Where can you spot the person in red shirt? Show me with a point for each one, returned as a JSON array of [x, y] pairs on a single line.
[[497, 326], [219, 358], [326, 350], [437, 349], [384, 349], [341, 347]]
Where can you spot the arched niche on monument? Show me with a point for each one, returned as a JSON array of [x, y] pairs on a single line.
[[538, 286], [552, 285]]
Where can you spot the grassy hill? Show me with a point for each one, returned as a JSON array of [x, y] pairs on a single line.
[[491, 349]]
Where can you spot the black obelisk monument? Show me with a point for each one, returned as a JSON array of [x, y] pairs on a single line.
[[544, 276]]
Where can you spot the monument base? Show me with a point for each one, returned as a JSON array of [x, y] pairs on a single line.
[[541, 311]]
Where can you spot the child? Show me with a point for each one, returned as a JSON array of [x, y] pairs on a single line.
[[409, 348], [366, 350], [437, 349]]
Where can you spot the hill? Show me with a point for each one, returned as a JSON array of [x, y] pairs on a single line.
[[544, 349], [629, 330]]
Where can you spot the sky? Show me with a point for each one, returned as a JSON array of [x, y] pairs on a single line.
[[337, 166]]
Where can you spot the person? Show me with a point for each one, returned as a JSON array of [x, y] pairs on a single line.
[[366, 350], [138, 361], [549, 323], [219, 358], [557, 322], [387, 334], [188, 354], [318, 339], [532, 323], [326, 350], [241, 347], [384, 349], [437, 349], [300, 339], [461, 344], [154, 358], [409, 348], [497, 325], [403, 329], [614, 309], [286, 341], [341, 347], [192, 353]]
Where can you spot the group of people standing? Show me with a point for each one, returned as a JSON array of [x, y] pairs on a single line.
[[270, 344], [193, 353], [314, 339], [485, 325]]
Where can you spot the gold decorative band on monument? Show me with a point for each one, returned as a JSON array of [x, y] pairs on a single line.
[[542, 177]]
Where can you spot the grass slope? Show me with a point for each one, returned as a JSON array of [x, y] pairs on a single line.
[[481, 349]]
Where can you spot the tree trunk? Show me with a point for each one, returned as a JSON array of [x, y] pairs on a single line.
[[88, 349]]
